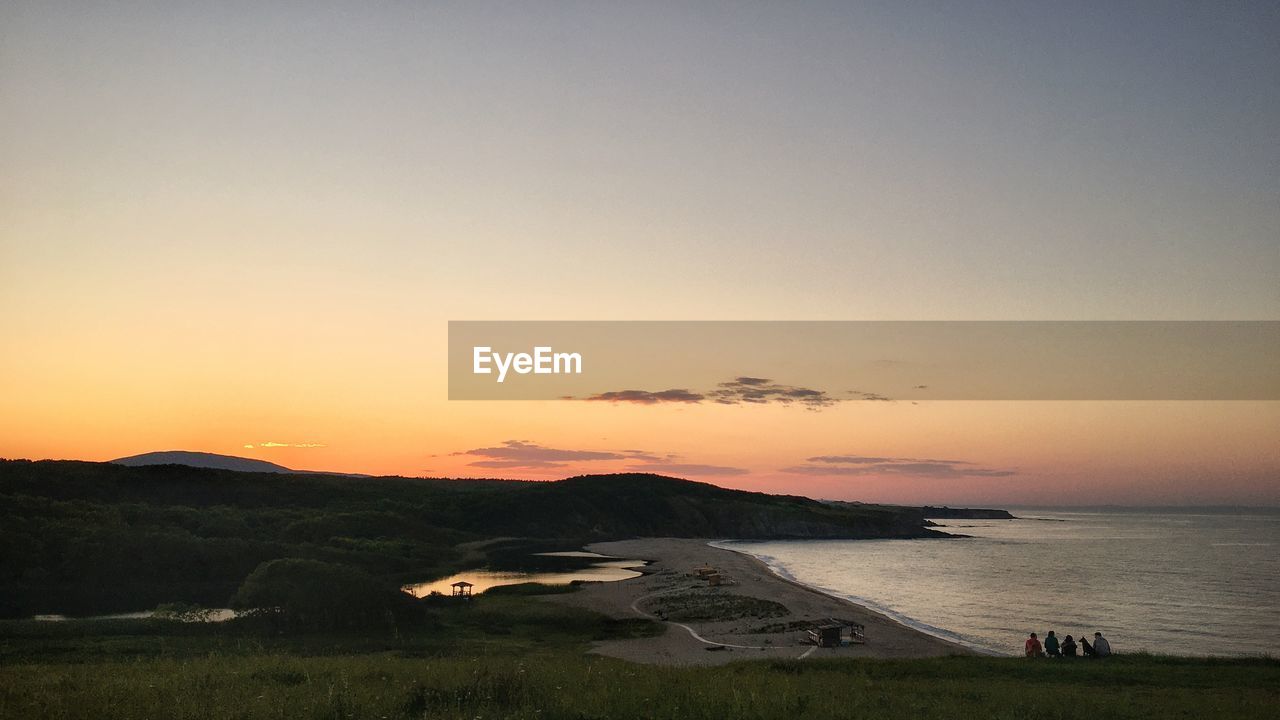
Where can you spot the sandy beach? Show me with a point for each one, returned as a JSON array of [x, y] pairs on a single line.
[[753, 614]]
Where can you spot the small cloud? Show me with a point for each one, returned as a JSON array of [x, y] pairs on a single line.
[[271, 444], [866, 460], [526, 455], [741, 390], [648, 457], [522, 454], [920, 387], [931, 470], [759, 391], [688, 469], [863, 395], [523, 464], [862, 465], [647, 397]]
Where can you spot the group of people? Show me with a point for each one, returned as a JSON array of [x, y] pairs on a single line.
[[1067, 648]]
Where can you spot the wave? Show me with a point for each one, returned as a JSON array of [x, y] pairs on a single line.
[[777, 568]]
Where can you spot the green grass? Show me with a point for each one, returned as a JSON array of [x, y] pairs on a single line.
[[489, 624], [568, 685], [713, 605], [532, 588], [517, 657]]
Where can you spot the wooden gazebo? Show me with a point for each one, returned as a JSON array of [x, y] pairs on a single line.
[[462, 589]]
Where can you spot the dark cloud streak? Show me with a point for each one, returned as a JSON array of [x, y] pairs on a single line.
[[760, 391], [864, 460], [647, 397], [742, 390], [864, 465], [525, 455], [688, 469]]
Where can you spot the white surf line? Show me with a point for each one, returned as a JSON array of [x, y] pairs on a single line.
[[887, 613], [635, 607]]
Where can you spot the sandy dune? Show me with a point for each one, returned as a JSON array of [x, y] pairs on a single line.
[[731, 623]]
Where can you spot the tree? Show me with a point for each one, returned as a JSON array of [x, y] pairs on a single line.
[[315, 595]]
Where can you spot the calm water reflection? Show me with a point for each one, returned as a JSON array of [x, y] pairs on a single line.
[[609, 570], [1190, 583]]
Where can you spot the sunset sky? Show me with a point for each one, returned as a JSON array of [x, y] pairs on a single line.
[[242, 228]]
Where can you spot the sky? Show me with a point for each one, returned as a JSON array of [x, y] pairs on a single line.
[[226, 225]]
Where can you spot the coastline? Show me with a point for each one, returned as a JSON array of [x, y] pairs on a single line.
[[781, 610], [911, 623]]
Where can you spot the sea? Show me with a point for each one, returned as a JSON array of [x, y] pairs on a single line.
[[1169, 581]]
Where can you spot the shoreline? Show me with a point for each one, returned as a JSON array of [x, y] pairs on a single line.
[[755, 614], [911, 623]]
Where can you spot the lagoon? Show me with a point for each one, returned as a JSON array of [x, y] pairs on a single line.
[[606, 569]]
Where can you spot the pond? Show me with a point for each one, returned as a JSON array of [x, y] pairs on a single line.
[[198, 615], [606, 569], [600, 568]]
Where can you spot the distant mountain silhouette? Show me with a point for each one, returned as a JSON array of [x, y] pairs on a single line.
[[202, 460]]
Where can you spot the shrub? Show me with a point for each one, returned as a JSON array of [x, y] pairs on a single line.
[[315, 595]]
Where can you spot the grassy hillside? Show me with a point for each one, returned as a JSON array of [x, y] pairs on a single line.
[[91, 537], [517, 657], [79, 538]]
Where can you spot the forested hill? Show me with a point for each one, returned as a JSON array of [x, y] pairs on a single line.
[[588, 506], [950, 513], [79, 537], [640, 505]]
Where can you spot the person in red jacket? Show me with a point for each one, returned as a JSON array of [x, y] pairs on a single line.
[[1033, 648]]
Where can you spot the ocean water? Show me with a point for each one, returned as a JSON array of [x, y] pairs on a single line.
[[1174, 582]]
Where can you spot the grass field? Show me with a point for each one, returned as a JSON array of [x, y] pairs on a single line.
[[516, 657]]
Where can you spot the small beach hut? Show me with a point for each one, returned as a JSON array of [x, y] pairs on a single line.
[[836, 633], [826, 635], [462, 589]]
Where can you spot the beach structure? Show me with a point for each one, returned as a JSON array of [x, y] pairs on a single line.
[[837, 633], [462, 589], [714, 579]]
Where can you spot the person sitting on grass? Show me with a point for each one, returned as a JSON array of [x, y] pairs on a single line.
[[1101, 648], [1033, 648], [1068, 647], [1051, 645], [1085, 648]]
